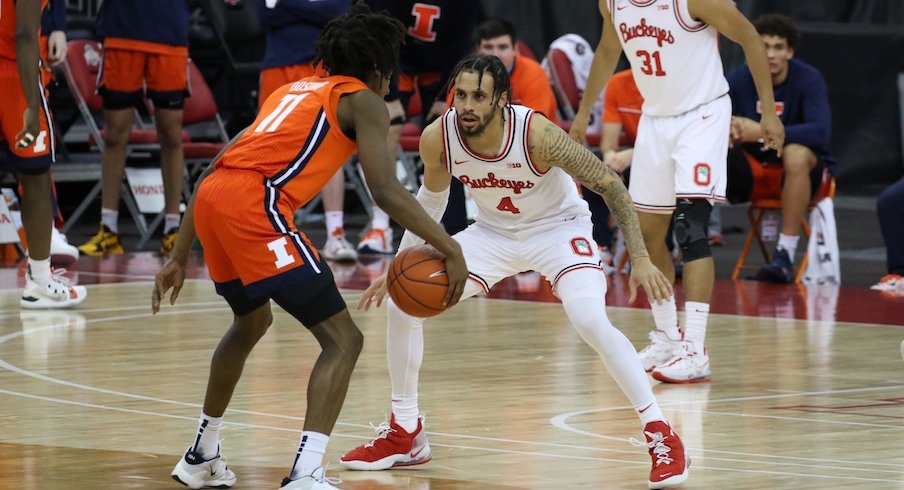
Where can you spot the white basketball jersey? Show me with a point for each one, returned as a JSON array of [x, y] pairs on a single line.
[[675, 59], [511, 194]]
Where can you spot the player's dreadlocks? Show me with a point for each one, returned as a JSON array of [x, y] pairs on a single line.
[[360, 42], [482, 63]]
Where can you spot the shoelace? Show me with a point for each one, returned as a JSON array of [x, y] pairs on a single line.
[[58, 274], [343, 243], [59, 283], [382, 431], [659, 343], [327, 479], [657, 445]]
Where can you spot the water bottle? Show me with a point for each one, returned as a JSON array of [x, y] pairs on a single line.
[[769, 226]]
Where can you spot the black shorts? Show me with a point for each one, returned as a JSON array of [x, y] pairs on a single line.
[[310, 301]]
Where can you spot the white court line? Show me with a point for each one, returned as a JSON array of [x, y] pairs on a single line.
[[475, 448], [563, 417]]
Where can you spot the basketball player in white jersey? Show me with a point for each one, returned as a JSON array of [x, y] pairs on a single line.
[[682, 142], [519, 168]]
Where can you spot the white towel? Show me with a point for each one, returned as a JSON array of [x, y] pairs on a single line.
[[580, 53], [824, 266]]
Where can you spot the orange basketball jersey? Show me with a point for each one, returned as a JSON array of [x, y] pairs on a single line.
[[296, 142], [8, 28], [244, 210]]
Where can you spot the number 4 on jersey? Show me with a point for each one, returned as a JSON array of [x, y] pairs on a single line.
[[506, 204]]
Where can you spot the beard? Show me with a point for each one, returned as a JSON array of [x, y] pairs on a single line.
[[481, 126]]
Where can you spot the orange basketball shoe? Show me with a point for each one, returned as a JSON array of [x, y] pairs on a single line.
[[393, 447], [670, 465]]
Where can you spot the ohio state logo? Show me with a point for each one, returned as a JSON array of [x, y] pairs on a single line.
[[702, 174], [581, 246]]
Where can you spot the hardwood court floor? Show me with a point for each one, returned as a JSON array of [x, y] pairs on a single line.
[[808, 390]]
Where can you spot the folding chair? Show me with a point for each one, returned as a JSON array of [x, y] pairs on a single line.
[[566, 89], [767, 197], [81, 68]]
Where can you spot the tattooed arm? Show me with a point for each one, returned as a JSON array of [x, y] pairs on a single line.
[[550, 146]]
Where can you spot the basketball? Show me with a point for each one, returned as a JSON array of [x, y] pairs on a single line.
[[417, 281]]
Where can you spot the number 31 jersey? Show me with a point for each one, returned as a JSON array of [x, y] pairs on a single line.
[[674, 57]]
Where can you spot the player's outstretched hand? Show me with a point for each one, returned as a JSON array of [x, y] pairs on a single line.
[[374, 293], [650, 278], [578, 131], [171, 275]]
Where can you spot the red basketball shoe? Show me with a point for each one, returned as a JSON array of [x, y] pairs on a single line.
[[393, 447], [670, 466]]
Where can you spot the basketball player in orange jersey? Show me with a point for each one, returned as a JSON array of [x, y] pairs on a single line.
[[679, 162], [292, 28], [242, 212], [27, 144], [519, 168]]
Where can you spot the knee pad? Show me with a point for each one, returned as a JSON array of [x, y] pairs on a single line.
[[691, 228]]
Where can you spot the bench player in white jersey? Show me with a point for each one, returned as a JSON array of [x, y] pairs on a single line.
[[682, 141], [519, 168]]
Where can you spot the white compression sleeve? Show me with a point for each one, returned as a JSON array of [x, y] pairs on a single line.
[[434, 203]]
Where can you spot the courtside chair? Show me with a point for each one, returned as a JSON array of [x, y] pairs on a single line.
[[766, 196]]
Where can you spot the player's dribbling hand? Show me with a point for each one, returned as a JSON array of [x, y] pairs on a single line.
[[457, 271], [374, 293], [171, 275], [650, 278], [773, 132]]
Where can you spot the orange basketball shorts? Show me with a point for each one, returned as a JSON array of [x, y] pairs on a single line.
[[36, 158], [246, 229], [277, 76], [130, 66]]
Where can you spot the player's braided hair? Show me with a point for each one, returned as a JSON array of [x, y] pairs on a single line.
[[483, 63], [360, 42]]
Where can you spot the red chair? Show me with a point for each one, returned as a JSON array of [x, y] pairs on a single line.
[[83, 60], [201, 107], [568, 95], [524, 50], [766, 196], [81, 69]]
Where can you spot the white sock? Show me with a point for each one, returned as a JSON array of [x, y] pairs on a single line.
[[404, 353], [405, 410], [789, 244], [649, 412], [40, 270], [381, 219], [334, 220], [665, 316], [207, 442], [310, 453], [171, 222], [695, 324], [110, 219]]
